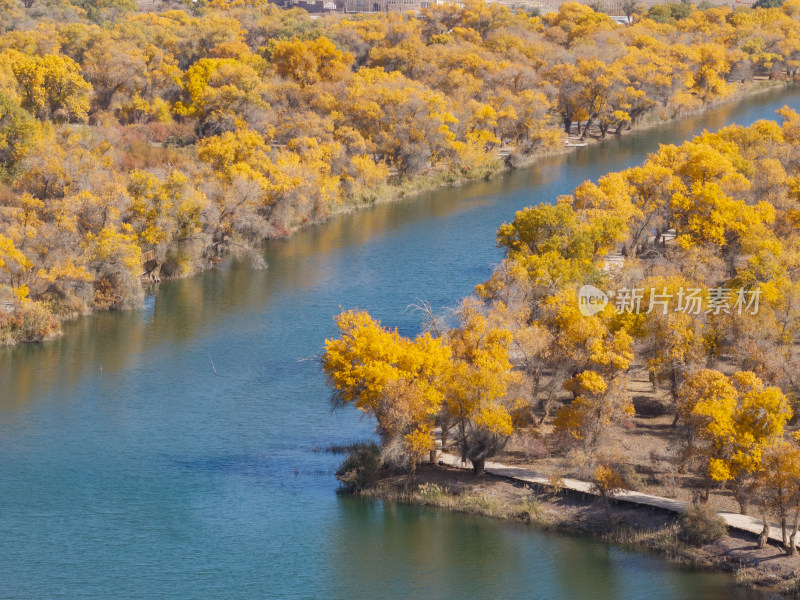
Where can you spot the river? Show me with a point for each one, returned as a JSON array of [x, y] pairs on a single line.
[[169, 452]]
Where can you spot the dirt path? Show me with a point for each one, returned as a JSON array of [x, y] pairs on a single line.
[[733, 520]]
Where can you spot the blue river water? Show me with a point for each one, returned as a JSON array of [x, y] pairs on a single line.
[[170, 452]]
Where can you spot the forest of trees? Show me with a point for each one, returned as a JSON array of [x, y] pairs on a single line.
[[153, 144], [719, 212]]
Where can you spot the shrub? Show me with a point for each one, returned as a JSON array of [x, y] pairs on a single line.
[[32, 323], [528, 509], [700, 525], [359, 470], [533, 447], [669, 13], [482, 504], [432, 493]]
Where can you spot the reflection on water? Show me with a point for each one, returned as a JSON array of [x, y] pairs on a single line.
[[181, 308], [472, 557]]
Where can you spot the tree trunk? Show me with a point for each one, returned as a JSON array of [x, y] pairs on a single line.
[[783, 528], [411, 475], [762, 539], [556, 376], [607, 505], [673, 390], [791, 549], [478, 466], [741, 498], [586, 127]]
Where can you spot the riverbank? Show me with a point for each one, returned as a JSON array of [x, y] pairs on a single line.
[[120, 436], [570, 513], [39, 321], [429, 182]]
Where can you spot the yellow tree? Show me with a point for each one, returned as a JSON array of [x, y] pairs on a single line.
[[477, 387], [606, 208], [551, 243], [267, 192], [647, 68], [308, 62], [674, 342], [12, 261], [52, 87], [597, 81], [17, 132], [708, 215], [404, 122], [597, 409], [651, 186], [730, 422], [575, 23], [163, 212], [115, 260], [778, 484], [711, 65], [568, 343], [394, 379], [114, 68], [608, 481], [218, 91], [706, 405]]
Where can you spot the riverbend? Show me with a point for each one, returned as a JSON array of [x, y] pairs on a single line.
[[169, 452]]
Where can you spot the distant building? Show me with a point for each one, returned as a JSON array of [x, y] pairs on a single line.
[[358, 6], [383, 6], [312, 6], [611, 7]]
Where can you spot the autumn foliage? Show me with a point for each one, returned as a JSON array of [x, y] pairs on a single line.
[[153, 144], [460, 382], [705, 288], [707, 233]]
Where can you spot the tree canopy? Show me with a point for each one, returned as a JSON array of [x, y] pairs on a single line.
[[195, 131]]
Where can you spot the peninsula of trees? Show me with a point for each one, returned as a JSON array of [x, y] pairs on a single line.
[[717, 218], [153, 144]]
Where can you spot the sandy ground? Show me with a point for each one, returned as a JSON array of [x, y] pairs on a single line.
[[649, 442]]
